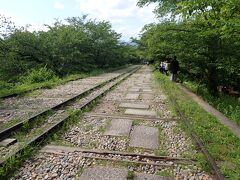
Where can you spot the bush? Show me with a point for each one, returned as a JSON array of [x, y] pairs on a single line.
[[5, 85], [39, 75]]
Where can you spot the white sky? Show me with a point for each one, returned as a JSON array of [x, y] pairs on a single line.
[[125, 16]]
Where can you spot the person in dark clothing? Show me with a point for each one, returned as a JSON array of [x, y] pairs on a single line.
[[160, 68], [174, 67]]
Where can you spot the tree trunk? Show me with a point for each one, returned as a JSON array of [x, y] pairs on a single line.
[[212, 79]]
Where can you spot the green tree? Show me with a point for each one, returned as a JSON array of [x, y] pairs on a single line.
[[74, 45], [203, 34]]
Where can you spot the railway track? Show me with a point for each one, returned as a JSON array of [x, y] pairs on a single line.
[[7, 131], [130, 134], [54, 117], [198, 143]]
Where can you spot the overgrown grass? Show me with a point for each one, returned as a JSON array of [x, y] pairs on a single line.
[[221, 143], [11, 166], [20, 88], [162, 150], [228, 105], [165, 173], [44, 79], [15, 162]]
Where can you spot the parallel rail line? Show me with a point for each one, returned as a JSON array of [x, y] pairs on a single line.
[[59, 149], [198, 142], [144, 118], [37, 88], [53, 127], [98, 153], [6, 132]]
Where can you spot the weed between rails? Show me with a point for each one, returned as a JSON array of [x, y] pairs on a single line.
[[15, 162], [34, 81], [130, 175], [10, 167], [221, 143]]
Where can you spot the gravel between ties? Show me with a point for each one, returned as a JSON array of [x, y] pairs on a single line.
[[89, 134]]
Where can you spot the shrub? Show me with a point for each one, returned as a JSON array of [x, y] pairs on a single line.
[[5, 85], [39, 75]]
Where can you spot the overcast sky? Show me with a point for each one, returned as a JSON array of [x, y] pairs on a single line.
[[124, 15]]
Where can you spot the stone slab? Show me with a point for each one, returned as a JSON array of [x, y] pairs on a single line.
[[104, 173], [143, 176], [132, 96], [147, 90], [134, 105], [144, 137], [142, 84], [7, 142], [134, 89], [119, 127], [140, 112], [147, 96], [147, 87]]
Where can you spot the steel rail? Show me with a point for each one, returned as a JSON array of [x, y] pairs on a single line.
[[6, 132], [198, 142], [144, 118], [57, 149], [53, 127], [37, 88]]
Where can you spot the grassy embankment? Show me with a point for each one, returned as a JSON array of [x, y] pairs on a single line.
[[221, 143], [42, 78], [227, 105]]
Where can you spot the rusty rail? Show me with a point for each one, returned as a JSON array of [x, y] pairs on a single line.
[[198, 142], [39, 138]]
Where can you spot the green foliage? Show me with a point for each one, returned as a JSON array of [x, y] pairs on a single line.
[[15, 162], [226, 104], [5, 85], [39, 75], [221, 143], [76, 45], [165, 173], [204, 35], [130, 175]]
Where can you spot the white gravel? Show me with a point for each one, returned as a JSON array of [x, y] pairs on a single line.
[[89, 134]]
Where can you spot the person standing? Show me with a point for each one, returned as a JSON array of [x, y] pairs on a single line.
[[174, 67], [161, 67], [167, 67]]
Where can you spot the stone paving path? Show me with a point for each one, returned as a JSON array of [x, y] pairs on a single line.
[[104, 173], [132, 96], [134, 105], [147, 96], [144, 137], [126, 120], [142, 176], [119, 127], [140, 112], [109, 173]]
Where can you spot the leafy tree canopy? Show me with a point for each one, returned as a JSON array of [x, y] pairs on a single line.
[[204, 34]]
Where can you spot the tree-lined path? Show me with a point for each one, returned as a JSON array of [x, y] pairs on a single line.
[[80, 98], [130, 134]]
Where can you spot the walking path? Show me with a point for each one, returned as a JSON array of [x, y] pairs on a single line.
[[211, 110], [130, 134]]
